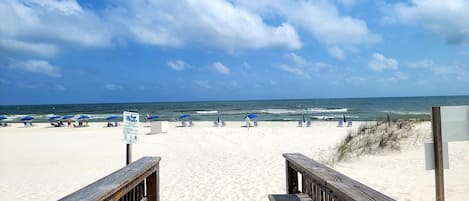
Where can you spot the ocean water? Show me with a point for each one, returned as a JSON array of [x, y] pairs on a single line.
[[363, 109]]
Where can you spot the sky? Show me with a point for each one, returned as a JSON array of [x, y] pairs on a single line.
[[195, 50]]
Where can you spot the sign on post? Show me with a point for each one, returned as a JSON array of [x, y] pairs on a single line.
[[131, 120], [454, 123]]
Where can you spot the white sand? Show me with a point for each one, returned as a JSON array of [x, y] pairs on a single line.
[[206, 163]]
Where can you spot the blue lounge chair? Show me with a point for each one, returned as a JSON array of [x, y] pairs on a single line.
[[340, 124], [300, 123], [349, 123], [308, 123]]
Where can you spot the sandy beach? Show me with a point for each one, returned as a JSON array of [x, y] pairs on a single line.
[[209, 163]]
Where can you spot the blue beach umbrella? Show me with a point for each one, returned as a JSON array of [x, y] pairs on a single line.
[[112, 117], [184, 116], [54, 117], [3, 118], [153, 117], [83, 117], [251, 116], [68, 117], [27, 118]]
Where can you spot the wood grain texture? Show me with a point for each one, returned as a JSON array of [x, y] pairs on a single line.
[[118, 183], [332, 184], [438, 154], [290, 197]]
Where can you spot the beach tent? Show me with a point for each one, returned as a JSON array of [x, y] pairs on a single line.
[[83, 117], [112, 117], [54, 117], [153, 117], [251, 116], [27, 118], [68, 117], [2, 119]]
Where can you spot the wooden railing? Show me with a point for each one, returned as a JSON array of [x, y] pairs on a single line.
[[136, 182], [321, 183]]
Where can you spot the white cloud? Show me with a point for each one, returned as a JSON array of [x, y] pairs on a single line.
[[112, 87], [447, 19], [220, 68], [301, 66], [379, 63], [53, 21], [59, 87], [177, 65], [294, 70], [36, 66], [321, 19], [203, 84], [455, 71], [41, 49], [218, 24], [336, 52]]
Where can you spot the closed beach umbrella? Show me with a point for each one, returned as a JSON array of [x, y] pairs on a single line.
[[3, 118], [27, 118], [112, 117], [82, 117], [184, 116], [68, 117], [251, 116], [54, 117]]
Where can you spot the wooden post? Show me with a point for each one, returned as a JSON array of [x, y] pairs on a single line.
[[292, 179], [438, 152], [153, 186], [129, 154]]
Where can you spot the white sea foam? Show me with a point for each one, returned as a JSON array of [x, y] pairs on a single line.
[[407, 112], [327, 110], [207, 112]]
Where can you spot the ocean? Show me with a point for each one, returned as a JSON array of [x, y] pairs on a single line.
[[361, 109]]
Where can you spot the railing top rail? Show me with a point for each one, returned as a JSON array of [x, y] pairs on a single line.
[[107, 186], [343, 186]]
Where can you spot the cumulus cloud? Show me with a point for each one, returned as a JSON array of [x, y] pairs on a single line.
[[169, 23], [203, 84], [454, 71], [337, 53], [220, 68], [446, 19], [379, 63], [177, 65], [112, 87], [301, 66], [321, 19], [41, 49], [36, 66]]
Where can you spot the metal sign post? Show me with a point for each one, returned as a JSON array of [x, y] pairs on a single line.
[[130, 120]]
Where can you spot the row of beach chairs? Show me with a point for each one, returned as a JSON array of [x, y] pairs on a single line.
[[341, 124]]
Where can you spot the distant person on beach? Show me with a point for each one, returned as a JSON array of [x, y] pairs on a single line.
[[69, 123]]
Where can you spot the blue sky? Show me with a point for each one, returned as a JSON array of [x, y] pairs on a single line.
[[143, 51]]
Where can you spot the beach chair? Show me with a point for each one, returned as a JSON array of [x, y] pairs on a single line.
[[183, 124], [190, 123], [340, 124], [300, 123], [349, 123], [223, 123], [255, 124], [116, 124], [215, 123], [308, 123]]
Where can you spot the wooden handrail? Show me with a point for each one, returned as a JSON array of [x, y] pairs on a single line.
[[323, 183], [128, 183]]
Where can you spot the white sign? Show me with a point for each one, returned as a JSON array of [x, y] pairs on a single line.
[[430, 156], [454, 123], [131, 120]]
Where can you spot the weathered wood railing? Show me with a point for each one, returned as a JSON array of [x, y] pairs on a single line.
[[136, 182], [321, 183]]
